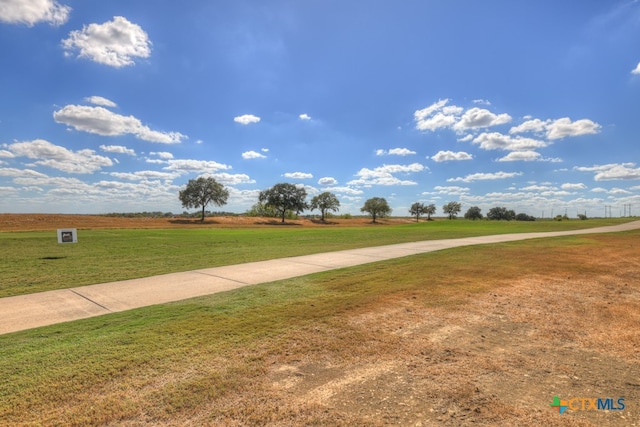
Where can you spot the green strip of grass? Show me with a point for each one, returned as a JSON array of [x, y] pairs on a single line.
[[34, 261], [179, 358]]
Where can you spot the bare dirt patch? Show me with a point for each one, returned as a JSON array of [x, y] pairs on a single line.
[[35, 222], [498, 358]]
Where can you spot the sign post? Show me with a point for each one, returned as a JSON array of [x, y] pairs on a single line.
[[67, 235]]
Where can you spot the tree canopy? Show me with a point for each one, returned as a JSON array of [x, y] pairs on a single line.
[[202, 191], [376, 207], [501, 213], [325, 202], [284, 197], [430, 210], [416, 210], [452, 209], [474, 213]]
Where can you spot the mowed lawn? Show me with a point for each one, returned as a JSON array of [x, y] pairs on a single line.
[[34, 261], [215, 360]]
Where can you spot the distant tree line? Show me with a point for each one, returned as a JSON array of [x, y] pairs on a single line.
[[286, 201], [283, 200]]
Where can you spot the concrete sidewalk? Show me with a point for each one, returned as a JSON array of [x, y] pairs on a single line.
[[47, 308]]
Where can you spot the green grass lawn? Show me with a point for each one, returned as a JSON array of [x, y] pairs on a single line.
[[34, 261], [175, 359]]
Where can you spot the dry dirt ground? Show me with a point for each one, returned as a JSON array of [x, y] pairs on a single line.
[[496, 359], [34, 222]]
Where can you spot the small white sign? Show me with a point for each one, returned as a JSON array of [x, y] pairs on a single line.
[[67, 235]]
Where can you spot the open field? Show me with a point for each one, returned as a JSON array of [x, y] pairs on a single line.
[[33, 261], [483, 335]]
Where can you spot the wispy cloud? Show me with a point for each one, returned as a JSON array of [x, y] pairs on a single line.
[[485, 176], [253, 155]]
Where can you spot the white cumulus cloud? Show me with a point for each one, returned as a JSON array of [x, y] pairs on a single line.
[[327, 180], [118, 149], [498, 141], [304, 117], [99, 120], [31, 12], [613, 171], [480, 118], [116, 43], [298, 175], [246, 119], [383, 175], [557, 129], [636, 70], [573, 186], [446, 156], [57, 157]]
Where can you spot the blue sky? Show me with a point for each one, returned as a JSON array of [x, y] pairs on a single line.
[[113, 106]]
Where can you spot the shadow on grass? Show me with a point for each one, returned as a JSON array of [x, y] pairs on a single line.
[[193, 221], [52, 257], [325, 222], [278, 222]]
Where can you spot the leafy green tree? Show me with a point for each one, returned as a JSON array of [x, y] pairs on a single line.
[[474, 213], [524, 217], [430, 210], [284, 197], [416, 210], [376, 207], [452, 209], [325, 202], [202, 191], [501, 213]]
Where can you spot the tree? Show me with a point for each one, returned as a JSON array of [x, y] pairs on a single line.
[[430, 210], [417, 209], [325, 202], [376, 207], [501, 213], [473, 213], [284, 197], [524, 217], [452, 209], [201, 192]]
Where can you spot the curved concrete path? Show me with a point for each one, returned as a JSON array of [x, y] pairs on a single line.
[[47, 308]]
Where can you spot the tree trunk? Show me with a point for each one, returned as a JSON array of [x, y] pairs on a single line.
[[284, 212], [202, 218]]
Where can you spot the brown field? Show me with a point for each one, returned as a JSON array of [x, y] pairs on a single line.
[[564, 321], [35, 222]]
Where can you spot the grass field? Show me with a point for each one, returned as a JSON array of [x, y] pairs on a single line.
[[484, 335], [34, 261], [450, 338]]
